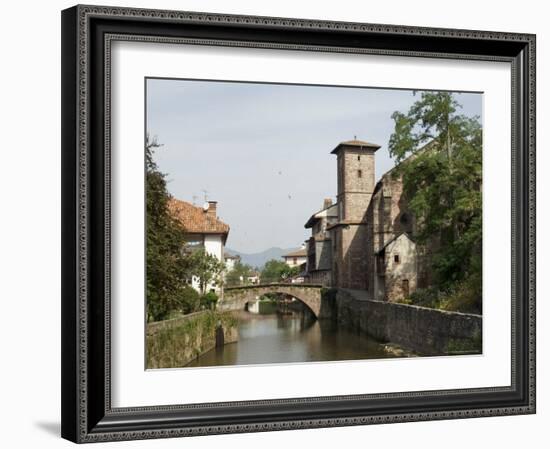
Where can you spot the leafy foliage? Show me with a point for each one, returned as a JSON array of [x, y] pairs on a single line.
[[206, 267], [239, 274], [209, 300], [277, 271], [424, 297], [189, 299], [442, 180], [167, 268]]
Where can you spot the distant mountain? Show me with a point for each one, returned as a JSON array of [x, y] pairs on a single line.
[[258, 260]]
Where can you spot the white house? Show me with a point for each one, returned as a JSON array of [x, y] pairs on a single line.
[[253, 278], [230, 262], [203, 230], [296, 258]]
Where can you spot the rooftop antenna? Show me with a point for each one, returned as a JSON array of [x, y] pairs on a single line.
[[354, 137], [206, 204]]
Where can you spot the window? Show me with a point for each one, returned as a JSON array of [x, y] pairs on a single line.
[[294, 260], [396, 258], [359, 173], [359, 157], [194, 244]]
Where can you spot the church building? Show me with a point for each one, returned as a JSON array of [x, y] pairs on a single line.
[[369, 229]]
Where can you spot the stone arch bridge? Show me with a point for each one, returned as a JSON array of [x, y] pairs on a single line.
[[235, 298]]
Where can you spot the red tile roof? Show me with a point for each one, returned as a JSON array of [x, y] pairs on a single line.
[[195, 220]]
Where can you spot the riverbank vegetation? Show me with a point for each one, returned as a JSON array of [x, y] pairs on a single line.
[[169, 267], [439, 156]]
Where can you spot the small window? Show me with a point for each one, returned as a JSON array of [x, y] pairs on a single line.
[[359, 157], [295, 260], [359, 173], [396, 258]]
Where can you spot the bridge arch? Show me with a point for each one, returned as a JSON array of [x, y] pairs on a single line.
[[235, 298]]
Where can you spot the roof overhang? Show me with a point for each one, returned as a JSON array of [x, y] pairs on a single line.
[[356, 145]]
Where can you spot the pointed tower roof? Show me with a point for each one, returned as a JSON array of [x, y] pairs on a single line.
[[357, 145]]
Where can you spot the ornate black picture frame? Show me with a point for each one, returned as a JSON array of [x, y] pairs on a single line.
[[87, 34]]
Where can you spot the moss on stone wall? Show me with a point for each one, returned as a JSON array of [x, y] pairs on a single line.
[[174, 343]]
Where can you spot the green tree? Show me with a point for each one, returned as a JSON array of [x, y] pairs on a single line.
[[239, 274], [189, 299], [442, 182], [209, 300], [277, 271], [167, 267], [206, 267]]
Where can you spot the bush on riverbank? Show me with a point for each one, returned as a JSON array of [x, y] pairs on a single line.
[[423, 297], [461, 298], [174, 343], [209, 301]]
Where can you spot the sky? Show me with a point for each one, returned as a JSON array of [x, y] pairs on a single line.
[[262, 151]]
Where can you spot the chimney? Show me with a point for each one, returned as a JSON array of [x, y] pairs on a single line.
[[212, 209], [327, 203]]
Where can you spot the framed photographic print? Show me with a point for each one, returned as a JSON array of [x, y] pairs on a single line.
[[278, 223]]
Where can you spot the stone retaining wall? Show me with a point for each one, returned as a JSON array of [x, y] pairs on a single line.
[[174, 343], [420, 329]]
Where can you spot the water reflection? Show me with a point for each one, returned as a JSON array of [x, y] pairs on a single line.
[[290, 337]]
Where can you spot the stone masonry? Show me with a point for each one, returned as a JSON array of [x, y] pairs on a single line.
[[372, 237], [355, 162]]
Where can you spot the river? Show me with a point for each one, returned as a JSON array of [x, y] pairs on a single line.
[[291, 337]]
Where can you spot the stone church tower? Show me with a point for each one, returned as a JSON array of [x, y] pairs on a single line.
[[355, 161]]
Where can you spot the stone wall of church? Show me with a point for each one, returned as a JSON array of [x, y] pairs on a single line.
[[390, 217], [350, 262], [371, 216]]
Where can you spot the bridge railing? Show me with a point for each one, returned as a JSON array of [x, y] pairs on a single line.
[[272, 284]]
